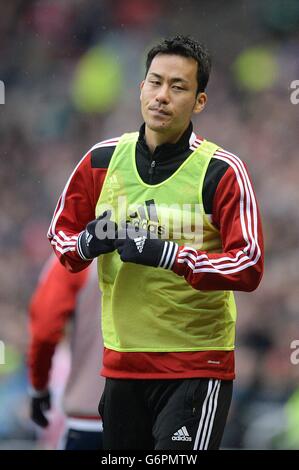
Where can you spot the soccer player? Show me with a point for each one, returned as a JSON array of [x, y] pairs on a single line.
[[168, 308], [62, 298]]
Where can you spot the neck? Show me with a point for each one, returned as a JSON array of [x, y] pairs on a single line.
[[154, 139]]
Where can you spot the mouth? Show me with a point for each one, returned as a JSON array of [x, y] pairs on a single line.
[[159, 111]]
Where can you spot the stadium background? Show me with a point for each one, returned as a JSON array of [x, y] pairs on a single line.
[[71, 71]]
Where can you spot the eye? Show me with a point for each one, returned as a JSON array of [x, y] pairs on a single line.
[[176, 87], [155, 82]]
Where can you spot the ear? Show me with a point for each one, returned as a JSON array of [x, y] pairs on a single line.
[[200, 102], [141, 86]]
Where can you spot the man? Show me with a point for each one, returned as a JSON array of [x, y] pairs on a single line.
[[60, 297], [168, 310]]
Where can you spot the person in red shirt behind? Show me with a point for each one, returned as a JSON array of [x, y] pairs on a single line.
[[61, 297]]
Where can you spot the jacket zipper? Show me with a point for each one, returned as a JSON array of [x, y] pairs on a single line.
[[151, 170]]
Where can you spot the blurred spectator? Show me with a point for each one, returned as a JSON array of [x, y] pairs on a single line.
[[59, 297]]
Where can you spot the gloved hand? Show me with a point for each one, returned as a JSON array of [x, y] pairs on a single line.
[[40, 402], [98, 237], [141, 247]]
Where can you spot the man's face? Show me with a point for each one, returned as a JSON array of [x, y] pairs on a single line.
[[168, 94]]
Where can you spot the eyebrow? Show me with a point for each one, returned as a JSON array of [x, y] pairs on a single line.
[[174, 79]]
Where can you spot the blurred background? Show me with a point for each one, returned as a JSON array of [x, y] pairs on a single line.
[[71, 71]]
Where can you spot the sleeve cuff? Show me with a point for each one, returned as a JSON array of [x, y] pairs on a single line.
[[79, 249], [169, 253], [34, 393]]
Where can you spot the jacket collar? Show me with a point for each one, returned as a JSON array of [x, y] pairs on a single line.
[[165, 151]]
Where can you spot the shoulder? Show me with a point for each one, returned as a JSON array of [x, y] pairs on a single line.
[[236, 169], [101, 153], [230, 159], [223, 166], [224, 161], [227, 163], [221, 157]]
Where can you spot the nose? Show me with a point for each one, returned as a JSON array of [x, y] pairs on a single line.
[[162, 95]]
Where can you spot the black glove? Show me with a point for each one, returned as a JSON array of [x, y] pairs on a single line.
[[40, 402], [98, 237], [141, 247]]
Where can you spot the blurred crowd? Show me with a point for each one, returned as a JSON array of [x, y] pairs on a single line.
[[71, 71]]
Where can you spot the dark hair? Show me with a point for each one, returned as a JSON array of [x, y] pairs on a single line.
[[186, 47]]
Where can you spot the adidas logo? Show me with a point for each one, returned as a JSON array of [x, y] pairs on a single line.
[[181, 435], [140, 241], [113, 182], [88, 237], [146, 217]]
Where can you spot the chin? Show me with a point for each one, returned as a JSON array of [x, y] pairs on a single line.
[[157, 126]]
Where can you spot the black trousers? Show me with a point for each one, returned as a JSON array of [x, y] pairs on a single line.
[[181, 414]]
